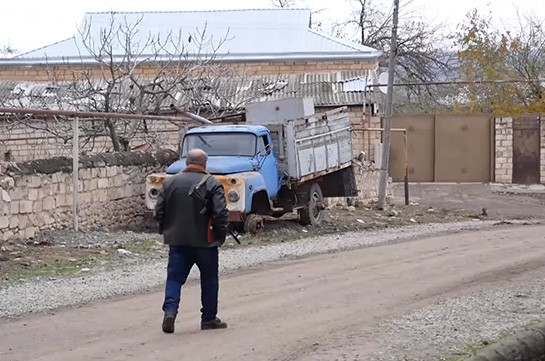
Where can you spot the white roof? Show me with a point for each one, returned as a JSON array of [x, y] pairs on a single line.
[[250, 35]]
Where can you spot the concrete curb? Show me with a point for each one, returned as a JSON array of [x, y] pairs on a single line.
[[527, 345]]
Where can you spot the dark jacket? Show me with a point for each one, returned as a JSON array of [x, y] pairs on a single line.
[[184, 220]]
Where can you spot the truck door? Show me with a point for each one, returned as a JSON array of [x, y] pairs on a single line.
[[268, 164]]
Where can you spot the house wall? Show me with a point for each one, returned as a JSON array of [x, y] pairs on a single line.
[[63, 72]]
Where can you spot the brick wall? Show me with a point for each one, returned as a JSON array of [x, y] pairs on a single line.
[[20, 142], [37, 195], [23, 142], [372, 138], [60, 72], [503, 150]]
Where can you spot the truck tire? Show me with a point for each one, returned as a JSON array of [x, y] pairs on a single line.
[[313, 213], [253, 223]]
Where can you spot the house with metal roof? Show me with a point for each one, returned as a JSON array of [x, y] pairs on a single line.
[[275, 51]]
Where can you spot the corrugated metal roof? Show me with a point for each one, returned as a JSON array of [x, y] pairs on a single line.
[[327, 89], [250, 35]]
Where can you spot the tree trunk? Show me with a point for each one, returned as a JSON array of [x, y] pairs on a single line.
[[113, 135]]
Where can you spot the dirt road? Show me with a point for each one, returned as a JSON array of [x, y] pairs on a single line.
[[509, 201], [323, 307]]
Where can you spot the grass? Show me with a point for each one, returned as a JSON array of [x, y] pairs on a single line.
[[47, 262], [52, 260], [473, 348], [23, 272]]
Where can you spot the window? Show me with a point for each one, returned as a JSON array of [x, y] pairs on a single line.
[[218, 144], [263, 146]]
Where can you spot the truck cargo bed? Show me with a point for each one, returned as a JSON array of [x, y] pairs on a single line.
[[308, 148]]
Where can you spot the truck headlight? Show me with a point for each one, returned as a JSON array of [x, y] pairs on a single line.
[[233, 196], [154, 193]]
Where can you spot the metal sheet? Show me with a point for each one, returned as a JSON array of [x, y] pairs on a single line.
[[443, 148], [462, 148], [326, 89], [420, 142], [526, 150], [251, 35]]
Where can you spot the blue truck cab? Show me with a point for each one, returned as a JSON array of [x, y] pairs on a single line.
[[242, 158]]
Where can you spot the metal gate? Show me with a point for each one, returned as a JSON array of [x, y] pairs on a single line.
[[444, 148], [526, 150]]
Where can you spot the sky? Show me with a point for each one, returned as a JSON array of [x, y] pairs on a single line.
[[30, 24]]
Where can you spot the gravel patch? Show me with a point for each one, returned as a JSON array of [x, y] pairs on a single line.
[[450, 326], [140, 276]]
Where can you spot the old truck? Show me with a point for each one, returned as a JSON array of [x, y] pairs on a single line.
[[284, 159]]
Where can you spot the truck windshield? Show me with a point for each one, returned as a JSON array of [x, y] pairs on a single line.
[[218, 144]]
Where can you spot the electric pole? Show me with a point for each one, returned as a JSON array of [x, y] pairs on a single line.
[[387, 134]]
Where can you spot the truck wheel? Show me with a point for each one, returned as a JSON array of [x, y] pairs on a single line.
[[312, 214], [253, 224]]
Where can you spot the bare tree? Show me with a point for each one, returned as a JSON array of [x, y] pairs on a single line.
[[7, 51], [526, 55], [284, 3], [420, 53], [141, 75]]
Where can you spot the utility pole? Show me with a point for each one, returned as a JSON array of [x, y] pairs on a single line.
[[387, 135], [75, 174]]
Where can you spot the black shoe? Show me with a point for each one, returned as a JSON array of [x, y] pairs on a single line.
[[213, 325], [168, 323]]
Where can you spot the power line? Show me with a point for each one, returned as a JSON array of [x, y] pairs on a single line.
[[461, 82]]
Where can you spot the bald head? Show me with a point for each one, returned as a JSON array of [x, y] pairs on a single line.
[[197, 157]]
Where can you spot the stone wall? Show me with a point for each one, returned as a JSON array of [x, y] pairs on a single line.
[[367, 181], [37, 195], [503, 150]]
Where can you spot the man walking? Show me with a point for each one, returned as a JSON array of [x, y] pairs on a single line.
[[192, 217]]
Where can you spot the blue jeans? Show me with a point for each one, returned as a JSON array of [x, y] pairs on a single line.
[[180, 261]]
